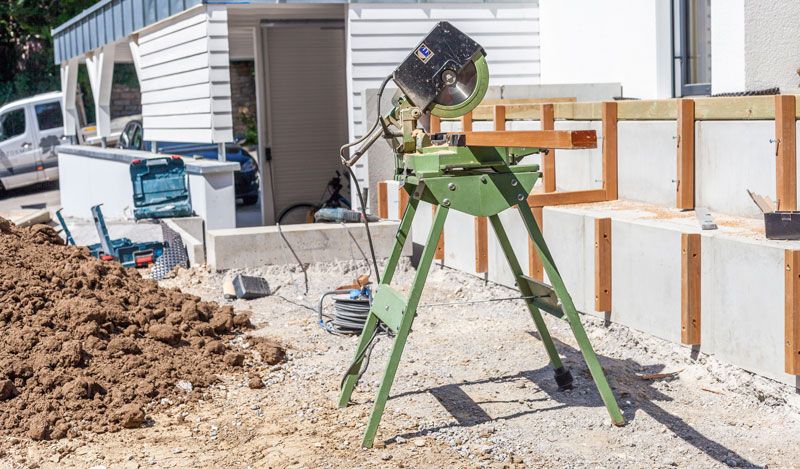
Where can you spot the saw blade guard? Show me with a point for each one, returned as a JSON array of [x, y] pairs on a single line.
[[446, 74]]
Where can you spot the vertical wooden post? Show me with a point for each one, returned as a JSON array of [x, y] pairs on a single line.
[[535, 269], [792, 312], [383, 200], [602, 264], [610, 150], [685, 176], [499, 117], [439, 254], [548, 122], [435, 125], [481, 245], [690, 288], [466, 122], [786, 162], [402, 202]]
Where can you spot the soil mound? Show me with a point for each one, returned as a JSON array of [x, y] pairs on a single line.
[[88, 344]]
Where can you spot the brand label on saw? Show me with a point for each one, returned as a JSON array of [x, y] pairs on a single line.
[[423, 53]]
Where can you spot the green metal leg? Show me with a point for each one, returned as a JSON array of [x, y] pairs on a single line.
[[372, 321], [405, 325], [555, 360], [571, 314]]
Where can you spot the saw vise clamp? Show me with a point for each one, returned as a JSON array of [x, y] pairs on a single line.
[[477, 173]]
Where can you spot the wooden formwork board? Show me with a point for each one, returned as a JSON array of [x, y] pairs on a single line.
[[535, 268], [549, 158], [481, 245], [383, 200], [439, 254], [786, 152], [685, 177], [690, 288], [610, 150], [602, 265], [792, 312]]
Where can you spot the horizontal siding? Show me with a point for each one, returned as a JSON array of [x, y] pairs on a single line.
[[185, 80], [380, 37]]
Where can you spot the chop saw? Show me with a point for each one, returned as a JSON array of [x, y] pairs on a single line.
[[477, 173]]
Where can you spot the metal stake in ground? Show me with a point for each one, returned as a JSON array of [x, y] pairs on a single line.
[[477, 173]]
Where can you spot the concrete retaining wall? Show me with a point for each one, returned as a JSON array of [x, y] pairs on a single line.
[[742, 276], [317, 242]]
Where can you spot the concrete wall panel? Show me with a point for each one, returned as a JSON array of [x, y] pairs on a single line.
[[566, 236], [499, 271], [743, 303], [731, 156], [459, 242], [580, 169], [646, 279], [647, 158]]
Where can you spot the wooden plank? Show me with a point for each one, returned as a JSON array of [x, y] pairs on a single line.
[[602, 264], [435, 125], [690, 289], [535, 268], [569, 139], [549, 158], [786, 152], [610, 150], [466, 122], [578, 111], [566, 198], [648, 109], [735, 108], [439, 254], [792, 312], [383, 200], [481, 245], [402, 202], [516, 108], [499, 117], [685, 187]]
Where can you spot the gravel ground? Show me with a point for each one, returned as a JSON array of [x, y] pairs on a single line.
[[473, 389]]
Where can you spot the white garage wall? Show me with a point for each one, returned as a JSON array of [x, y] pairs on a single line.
[[624, 41], [381, 36], [185, 79]]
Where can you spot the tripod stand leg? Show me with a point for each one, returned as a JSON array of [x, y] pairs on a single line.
[[571, 314], [405, 325], [372, 320], [563, 378]]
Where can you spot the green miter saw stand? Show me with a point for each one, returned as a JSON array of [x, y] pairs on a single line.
[[476, 173]]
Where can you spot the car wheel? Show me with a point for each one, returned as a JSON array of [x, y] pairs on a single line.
[[249, 199]]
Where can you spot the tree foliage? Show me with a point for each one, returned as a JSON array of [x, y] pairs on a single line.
[[26, 46]]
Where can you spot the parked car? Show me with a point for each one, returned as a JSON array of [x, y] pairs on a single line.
[[245, 180], [30, 129]]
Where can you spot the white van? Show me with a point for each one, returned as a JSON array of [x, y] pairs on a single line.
[[30, 129]]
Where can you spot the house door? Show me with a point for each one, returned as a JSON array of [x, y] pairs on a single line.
[[692, 33], [306, 108]]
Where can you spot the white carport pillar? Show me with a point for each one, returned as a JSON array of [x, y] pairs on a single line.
[[69, 86], [100, 65]]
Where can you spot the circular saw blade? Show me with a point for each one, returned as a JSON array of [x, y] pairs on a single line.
[[465, 93], [461, 90]]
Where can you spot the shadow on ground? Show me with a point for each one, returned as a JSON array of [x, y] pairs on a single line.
[[633, 393]]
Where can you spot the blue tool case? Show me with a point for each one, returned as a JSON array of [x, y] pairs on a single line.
[[159, 188]]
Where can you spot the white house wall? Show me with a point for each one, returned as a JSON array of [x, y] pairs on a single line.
[[618, 41], [185, 79], [381, 36]]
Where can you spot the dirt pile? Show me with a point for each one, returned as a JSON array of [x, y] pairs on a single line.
[[89, 345]]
